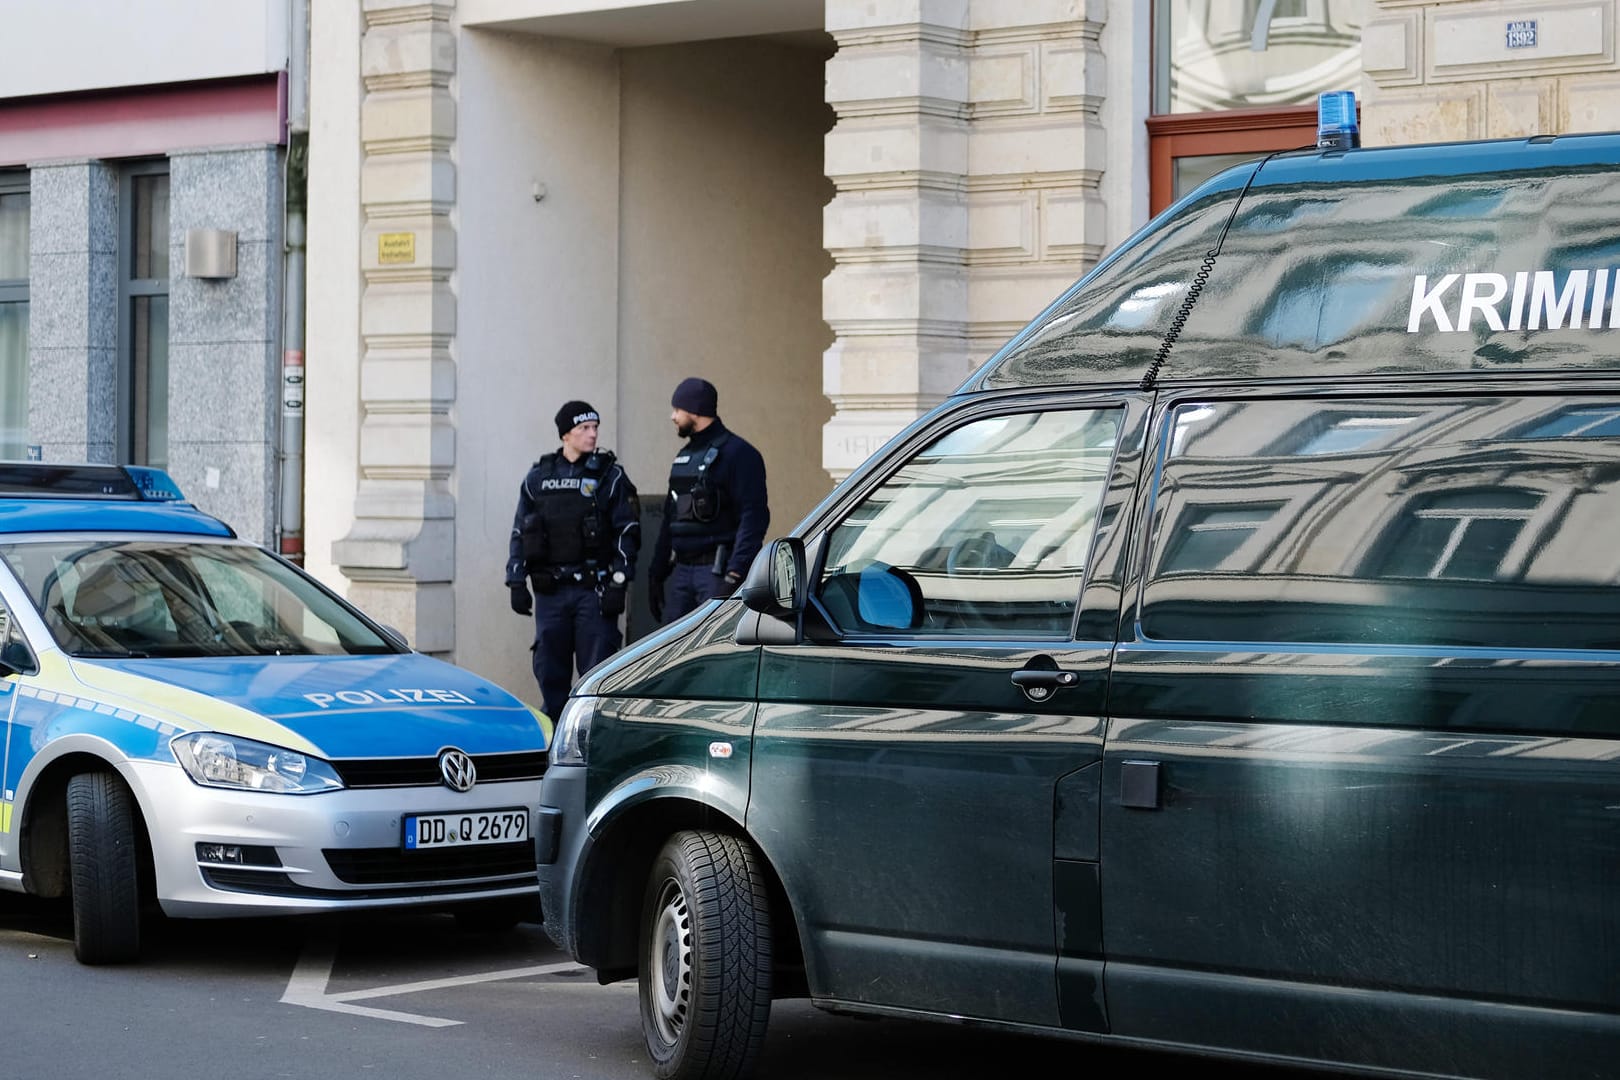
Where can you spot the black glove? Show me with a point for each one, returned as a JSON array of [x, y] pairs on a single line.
[[655, 599], [729, 583], [520, 600], [613, 601]]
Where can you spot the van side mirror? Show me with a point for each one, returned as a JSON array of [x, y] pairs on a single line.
[[775, 584]]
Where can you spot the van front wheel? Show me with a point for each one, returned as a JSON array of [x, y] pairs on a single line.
[[705, 969], [103, 861]]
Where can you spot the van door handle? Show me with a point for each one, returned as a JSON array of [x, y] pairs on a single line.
[[1038, 684]]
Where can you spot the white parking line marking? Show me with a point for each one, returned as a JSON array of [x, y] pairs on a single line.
[[307, 987]]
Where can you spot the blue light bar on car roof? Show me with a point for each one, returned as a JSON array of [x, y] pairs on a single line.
[[155, 484], [130, 483]]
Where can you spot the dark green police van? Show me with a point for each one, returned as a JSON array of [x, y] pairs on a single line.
[[1233, 664]]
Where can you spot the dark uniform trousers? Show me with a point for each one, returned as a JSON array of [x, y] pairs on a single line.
[[690, 584], [569, 627]]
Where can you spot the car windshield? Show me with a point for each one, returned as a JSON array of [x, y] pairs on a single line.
[[140, 598]]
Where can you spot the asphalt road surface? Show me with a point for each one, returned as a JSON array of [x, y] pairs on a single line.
[[413, 996]]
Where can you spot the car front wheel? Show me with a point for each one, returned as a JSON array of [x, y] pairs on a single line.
[[705, 968], [104, 862]]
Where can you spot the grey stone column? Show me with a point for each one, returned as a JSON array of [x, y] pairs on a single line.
[[223, 334], [73, 311]]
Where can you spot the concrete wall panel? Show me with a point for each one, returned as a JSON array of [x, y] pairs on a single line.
[[225, 338]]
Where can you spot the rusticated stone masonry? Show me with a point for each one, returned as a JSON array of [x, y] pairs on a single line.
[[400, 555]]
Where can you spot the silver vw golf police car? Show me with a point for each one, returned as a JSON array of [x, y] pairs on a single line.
[[192, 724]]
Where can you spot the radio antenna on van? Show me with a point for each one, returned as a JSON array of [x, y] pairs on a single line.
[[1199, 281], [1336, 129]]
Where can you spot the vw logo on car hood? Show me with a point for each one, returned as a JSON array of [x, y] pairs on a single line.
[[458, 770]]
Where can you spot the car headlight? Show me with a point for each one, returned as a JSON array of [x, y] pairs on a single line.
[[226, 761], [572, 742]]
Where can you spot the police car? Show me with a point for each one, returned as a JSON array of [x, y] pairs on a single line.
[[189, 720]]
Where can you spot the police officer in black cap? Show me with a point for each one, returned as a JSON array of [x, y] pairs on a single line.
[[574, 538], [716, 515]]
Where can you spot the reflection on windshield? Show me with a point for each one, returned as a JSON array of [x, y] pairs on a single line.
[[121, 599], [986, 531]]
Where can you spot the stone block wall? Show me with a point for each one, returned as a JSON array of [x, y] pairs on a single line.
[[966, 156], [1484, 69], [400, 554]]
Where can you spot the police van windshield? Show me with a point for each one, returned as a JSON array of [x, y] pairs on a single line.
[[143, 598]]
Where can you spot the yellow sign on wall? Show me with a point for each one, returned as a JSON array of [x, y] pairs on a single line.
[[394, 248]]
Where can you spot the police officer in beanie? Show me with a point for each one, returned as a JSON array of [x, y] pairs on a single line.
[[575, 537], [716, 513]]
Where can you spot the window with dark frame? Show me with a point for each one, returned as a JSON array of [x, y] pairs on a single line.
[[1585, 422], [1208, 537], [1463, 535], [1341, 432], [1235, 82], [14, 211], [143, 326]]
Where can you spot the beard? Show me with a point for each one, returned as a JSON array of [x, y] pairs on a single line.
[[686, 429]]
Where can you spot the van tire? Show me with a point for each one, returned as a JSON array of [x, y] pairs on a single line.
[[705, 958], [104, 860]]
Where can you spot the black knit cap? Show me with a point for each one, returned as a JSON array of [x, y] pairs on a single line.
[[697, 396], [573, 414]]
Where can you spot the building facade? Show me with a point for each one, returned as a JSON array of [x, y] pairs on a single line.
[[832, 209], [143, 157]]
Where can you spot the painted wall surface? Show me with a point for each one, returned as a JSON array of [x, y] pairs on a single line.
[[332, 317], [633, 23], [723, 191], [537, 294], [54, 46]]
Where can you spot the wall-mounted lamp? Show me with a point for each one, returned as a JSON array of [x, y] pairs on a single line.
[[211, 253]]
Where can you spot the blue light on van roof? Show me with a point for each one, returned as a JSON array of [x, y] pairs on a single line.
[[1336, 125]]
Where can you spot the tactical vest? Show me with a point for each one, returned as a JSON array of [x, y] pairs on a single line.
[[699, 510], [568, 526]]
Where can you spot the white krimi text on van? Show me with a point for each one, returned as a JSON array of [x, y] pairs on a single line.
[[1536, 302]]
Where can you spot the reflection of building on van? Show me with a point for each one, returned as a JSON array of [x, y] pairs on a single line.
[[1233, 663], [1395, 520]]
